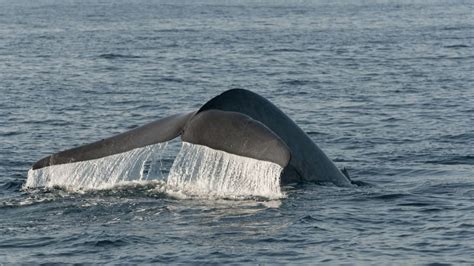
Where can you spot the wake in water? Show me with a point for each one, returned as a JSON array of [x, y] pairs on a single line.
[[197, 171]]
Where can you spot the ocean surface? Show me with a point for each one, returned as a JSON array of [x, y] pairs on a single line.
[[385, 88]]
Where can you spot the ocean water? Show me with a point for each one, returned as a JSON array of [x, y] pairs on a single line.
[[386, 89]]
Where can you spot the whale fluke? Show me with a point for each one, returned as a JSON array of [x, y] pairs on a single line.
[[158, 131], [238, 122]]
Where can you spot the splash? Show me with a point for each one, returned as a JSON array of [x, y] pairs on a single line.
[[199, 170], [137, 164]]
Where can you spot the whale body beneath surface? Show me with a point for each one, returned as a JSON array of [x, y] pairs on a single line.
[[238, 122]]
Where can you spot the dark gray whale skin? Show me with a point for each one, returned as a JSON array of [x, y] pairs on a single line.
[[159, 131], [238, 134], [307, 159], [237, 121]]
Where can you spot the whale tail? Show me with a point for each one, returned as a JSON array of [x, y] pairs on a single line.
[[238, 122], [225, 131]]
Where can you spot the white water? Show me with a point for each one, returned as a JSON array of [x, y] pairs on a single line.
[[197, 171], [134, 165], [200, 170]]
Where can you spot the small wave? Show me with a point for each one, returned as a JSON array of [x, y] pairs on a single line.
[[131, 189], [296, 82], [287, 50], [415, 204], [27, 243], [452, 28], [114, 56], [171, 79], [35, 197], [455, 46], [174, 30], [53, 122], [432, 209], [391, 196], [444, 187], [315, 133], [308, 219], [461, 159], [107, 243], [12, 185], [105, 240], [391, 119], [469, 193], [458, 137]]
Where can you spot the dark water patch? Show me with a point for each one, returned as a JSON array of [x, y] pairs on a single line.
[[456, 46], [344, 160], [443, 188], [469, 193], [52, 122], [390, 197], [432, 210], [460, 57], [118, 56], [31, 242], [415, 204], [466, 225], [287, 50], [44, 56], [106, 243], [191, 60], [70, 210], [132, 126], [308, 219], [454, 160], [360, 182], [11, 185], [296, 82], [47, 37], [460, 138], [171, 79], [129, 102], [392, 120], [11, 133], [467, 111], [294, 92], [456, 28], [316, 134], [176, 30]]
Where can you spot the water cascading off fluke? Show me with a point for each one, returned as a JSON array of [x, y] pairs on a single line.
[[200, 170]]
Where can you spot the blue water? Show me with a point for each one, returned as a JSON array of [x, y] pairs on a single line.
[[386, 89]]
